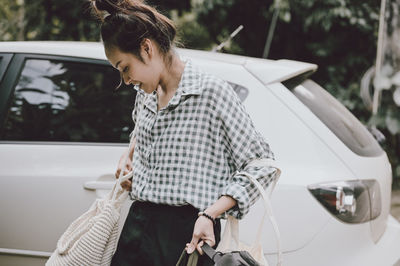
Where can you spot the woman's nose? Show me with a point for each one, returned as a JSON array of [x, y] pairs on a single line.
[[127, 79]]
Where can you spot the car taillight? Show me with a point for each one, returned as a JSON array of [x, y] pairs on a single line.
[[353, 202]]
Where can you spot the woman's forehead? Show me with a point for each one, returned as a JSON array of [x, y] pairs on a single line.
[[115, 56]]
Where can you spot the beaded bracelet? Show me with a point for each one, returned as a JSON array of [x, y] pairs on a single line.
[[207, 216]]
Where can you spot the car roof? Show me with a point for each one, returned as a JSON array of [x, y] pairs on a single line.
[[266, 70]]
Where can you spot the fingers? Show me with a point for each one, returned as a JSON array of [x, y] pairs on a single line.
[[192, 245], [210, 241], [127, 185], [126, 171], [117, 173], [198, 247], [128, 166], [195, 244]]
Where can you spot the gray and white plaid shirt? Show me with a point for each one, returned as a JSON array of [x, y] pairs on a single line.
[[190, 151]]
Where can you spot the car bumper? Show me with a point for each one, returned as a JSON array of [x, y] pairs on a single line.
[[348, 248]]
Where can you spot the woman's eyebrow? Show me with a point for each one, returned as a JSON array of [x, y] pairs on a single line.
[[116, 65]]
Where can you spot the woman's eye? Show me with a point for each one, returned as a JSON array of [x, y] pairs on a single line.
[[125, 69]]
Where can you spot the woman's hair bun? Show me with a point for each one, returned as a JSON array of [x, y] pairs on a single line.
[[105, 5], [114, 6], [111, 6]]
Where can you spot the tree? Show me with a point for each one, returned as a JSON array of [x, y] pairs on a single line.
[[12, 22], [47, 20]]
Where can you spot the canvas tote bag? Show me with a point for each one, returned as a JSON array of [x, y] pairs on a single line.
[[230, 237]]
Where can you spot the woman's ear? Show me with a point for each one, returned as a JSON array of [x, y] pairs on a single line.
[[147, 48]]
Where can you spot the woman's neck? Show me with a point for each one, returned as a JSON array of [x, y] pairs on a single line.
[[171, 76]]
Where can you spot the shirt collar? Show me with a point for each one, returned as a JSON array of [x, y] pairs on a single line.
[[188, 85]]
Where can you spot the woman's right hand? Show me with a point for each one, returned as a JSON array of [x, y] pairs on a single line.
[[128, 168]]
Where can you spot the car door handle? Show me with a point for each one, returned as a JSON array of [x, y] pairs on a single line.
[[94, 185], [105, 185]]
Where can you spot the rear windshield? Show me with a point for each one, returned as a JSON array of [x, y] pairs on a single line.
[[338, 119]]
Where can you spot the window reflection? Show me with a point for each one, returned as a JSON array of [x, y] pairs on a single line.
[[69, 101], [36, 86]]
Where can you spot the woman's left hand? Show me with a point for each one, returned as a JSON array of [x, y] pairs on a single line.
[[203, 231]]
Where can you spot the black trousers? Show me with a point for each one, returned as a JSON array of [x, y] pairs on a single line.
[[156, 234]]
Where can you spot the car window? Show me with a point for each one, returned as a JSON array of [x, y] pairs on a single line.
[[338, 119], [56, 100]]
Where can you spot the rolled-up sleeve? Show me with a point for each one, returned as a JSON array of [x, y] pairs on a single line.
[[243, 145]]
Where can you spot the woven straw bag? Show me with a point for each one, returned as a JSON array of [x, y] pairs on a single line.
[[92, 238], [230, 237]]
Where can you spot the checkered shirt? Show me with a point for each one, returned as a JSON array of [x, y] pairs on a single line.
[[191, 151]]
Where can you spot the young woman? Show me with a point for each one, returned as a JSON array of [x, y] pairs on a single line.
[[193, 137]]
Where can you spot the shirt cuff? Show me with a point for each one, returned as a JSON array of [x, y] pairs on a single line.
[[239, 193]]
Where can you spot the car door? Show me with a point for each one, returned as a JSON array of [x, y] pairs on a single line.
[[63, 128]]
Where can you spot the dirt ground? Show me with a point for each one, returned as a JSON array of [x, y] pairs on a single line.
[[395, 209]]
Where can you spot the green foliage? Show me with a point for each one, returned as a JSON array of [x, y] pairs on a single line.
[[388, 120], [222, 17], [166, 6], [191, 33], [12, 21], [47, 20]]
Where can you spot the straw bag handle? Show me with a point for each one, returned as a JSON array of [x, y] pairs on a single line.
[[122, 178], [117, 189]]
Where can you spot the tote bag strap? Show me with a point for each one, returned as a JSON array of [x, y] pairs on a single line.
[[117, 191], [266, 201]]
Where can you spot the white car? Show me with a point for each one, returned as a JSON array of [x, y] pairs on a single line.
[[63, 130]]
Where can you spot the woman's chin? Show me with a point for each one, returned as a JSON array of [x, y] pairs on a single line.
[[147, 89]]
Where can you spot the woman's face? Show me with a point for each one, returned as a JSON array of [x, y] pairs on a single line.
[[133, 71]]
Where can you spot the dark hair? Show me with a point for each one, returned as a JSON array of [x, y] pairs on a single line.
[[125, 23]]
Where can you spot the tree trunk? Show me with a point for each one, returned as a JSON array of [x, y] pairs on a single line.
[[21, 21]]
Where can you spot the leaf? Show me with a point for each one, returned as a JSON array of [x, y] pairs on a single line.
[[396, 79], [396, 96], [397, 170], [393, 125], [382, 82], [377, 120]]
